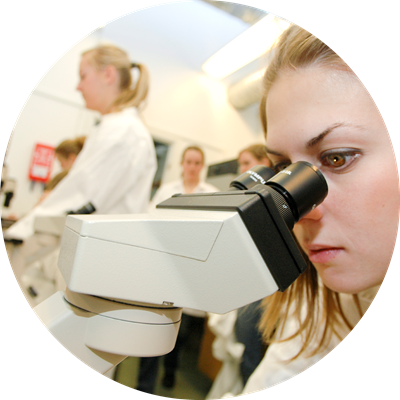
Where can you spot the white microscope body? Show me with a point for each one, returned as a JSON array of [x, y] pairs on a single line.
[[129, 276]]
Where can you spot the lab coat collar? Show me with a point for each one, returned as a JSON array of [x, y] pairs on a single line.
[[126, 111]]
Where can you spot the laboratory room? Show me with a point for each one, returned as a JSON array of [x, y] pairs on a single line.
[[172, 200]]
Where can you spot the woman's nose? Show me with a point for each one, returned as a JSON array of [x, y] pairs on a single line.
[[315, 215]]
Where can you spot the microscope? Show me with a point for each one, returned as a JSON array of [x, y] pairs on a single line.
[[129, 276]]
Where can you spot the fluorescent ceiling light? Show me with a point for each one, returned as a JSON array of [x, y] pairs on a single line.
[[247, 47]]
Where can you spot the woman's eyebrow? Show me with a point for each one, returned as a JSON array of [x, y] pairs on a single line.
[[312, 142], [315, 140]]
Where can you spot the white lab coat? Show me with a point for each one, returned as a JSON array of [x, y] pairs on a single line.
[[227, 349], [114, 171], [273, 369], [166, 191]]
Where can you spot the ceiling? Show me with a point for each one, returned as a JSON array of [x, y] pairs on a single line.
[[185, 33], [250, 15], [181, 36]]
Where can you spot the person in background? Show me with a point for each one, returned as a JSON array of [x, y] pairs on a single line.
[[115, 169], [113, 173], [252, 156], [66, 153], [192, 163]]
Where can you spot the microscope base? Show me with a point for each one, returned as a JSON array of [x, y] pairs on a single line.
[[103, 341]]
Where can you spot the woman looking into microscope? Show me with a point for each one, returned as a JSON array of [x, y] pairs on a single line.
[[315, 109]]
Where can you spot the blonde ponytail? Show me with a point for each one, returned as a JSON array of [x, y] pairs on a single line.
[[134, 97]]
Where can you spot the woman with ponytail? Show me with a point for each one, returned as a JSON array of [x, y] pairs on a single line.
[[106, 80], [113, 174]]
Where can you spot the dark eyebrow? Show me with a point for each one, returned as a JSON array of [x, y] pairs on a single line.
[[312, 142]]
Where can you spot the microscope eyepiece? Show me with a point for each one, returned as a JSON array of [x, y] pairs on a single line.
[[302, 185], [254, 176], [297, 189]]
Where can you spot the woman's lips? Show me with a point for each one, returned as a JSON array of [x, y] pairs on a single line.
[[322, 255]]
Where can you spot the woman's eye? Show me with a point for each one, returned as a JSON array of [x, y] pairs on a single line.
[[339, 159]]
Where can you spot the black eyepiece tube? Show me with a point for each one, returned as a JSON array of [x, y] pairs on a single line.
[[257, 175], [302, 185]]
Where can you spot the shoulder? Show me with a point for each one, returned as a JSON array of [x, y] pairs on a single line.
[[278, 364], [125, 122]]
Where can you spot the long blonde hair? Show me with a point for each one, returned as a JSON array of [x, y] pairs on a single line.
[[298, 48], [130, 96]]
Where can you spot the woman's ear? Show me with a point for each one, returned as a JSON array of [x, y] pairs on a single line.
[[110, 74]]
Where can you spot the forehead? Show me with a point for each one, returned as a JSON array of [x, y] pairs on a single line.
[[303, 103], [245, 155], [87, 61], [192, 154]]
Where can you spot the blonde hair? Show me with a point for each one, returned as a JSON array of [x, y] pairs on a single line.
[[70, 146], [130, 96], [298, 48]]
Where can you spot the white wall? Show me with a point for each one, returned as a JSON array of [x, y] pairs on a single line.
[[54, 112], [184, 106]]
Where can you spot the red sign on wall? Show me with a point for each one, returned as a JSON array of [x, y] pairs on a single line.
[[42, 162]]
